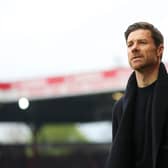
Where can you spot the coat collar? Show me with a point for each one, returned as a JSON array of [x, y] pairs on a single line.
[[132, 83], [159, 109]]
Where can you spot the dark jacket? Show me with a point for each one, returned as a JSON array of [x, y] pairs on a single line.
[[121, 154]]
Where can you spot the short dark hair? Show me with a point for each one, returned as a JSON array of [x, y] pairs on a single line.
[[156, 34]]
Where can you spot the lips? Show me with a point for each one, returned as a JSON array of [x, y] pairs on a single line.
[[136, 56]]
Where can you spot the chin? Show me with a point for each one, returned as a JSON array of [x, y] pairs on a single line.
[[137, 67]]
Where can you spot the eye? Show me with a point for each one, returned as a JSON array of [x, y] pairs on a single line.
[[143, 42], [129, 44]]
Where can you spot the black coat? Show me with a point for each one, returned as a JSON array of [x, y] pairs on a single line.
[[121, 154]]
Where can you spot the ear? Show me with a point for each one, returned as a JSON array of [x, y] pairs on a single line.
[[160, 50]]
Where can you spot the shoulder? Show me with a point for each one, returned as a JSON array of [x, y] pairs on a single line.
[[118, 103], [117, 108]]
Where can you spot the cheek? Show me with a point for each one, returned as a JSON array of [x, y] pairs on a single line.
[[151, 55], [129, 54]]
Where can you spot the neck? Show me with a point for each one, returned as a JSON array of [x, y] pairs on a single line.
[[146, 77]]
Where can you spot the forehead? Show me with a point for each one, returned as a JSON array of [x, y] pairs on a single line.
[[140, 34]]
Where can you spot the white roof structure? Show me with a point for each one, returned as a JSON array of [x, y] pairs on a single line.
[[62, 86]]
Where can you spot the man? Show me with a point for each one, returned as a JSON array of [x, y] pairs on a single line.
[[139, 118]]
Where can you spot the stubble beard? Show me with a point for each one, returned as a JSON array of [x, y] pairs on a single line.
[[143, 66]]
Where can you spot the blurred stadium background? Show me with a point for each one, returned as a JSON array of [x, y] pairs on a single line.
[[63, 64], [59, 121]]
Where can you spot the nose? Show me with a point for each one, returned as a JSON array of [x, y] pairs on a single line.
[[134, 47]]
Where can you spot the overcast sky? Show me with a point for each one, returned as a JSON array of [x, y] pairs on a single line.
[[40, 38]]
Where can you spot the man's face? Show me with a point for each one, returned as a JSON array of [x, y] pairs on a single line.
[[142, 51]]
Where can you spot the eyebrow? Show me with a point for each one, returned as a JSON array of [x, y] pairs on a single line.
[[142, 39]]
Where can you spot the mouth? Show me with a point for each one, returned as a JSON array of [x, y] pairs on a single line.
[[136, 58]]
